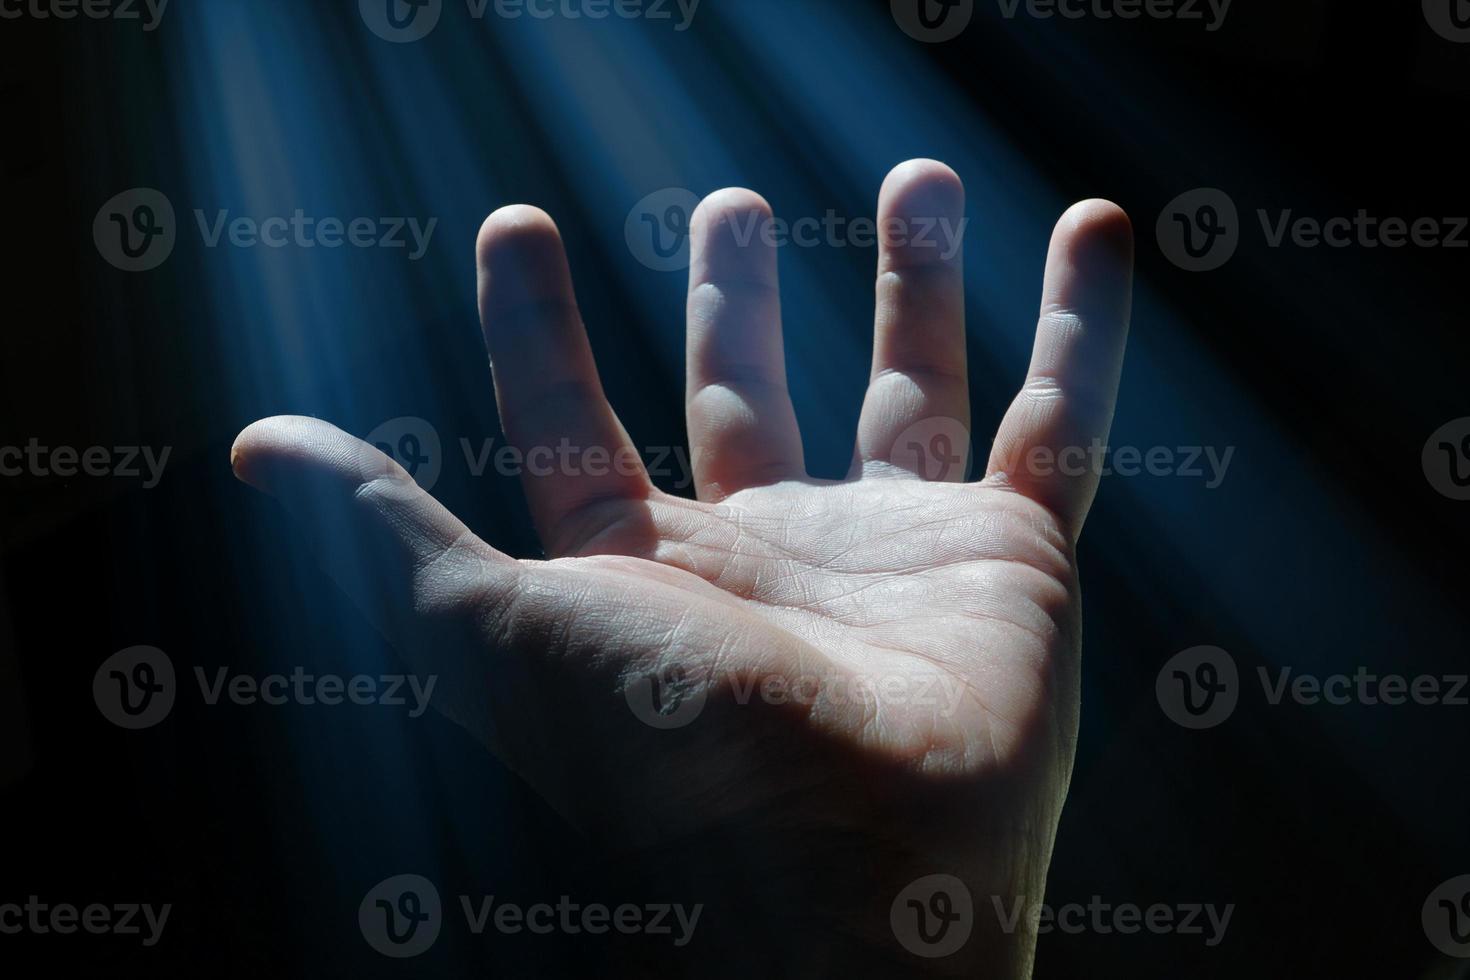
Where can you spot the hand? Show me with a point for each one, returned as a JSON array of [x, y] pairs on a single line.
[[789, 698]]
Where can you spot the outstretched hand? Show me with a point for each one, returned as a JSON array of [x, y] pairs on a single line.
[[788, 699]]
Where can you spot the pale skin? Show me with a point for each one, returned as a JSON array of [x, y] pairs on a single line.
[[795, 808]]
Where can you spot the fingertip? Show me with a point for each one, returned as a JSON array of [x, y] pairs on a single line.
[[263, 448], [921, 217], [522, 266], [730, 204], [1090, 264], [727, 240], [256, 441], [515, 231], [922, 188], [1095, 225]]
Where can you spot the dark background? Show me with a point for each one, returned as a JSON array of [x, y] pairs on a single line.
[[1325, 549]]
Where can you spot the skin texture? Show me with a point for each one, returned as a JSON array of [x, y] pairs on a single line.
[[789, 698]]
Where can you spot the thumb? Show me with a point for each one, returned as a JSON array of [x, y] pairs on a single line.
[[394, 549]]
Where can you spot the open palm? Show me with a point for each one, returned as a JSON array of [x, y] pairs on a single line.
[[789, 699]]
